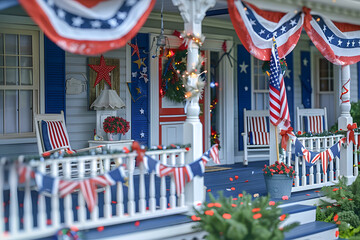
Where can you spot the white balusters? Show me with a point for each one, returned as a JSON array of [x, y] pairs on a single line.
[[163, 199], [119, 193], [182, 196], [152, 199], [303, 173], [142, 201], [55, 210], [318, 171], [14, 209], [81, 201], [172, 198], [131, 193], [311, 172], [297, 179], [356, 155], [93, 172], [68, 213], [331, 163], [107, 193], [42, 218]]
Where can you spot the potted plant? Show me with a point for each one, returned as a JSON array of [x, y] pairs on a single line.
[[279, 179], [115, 127], [241, 218]]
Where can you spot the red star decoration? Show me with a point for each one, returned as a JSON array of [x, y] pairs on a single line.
[[136, 49], [103, 71]]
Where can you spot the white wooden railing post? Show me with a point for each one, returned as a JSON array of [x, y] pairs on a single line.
[[193, 12], [346, 154]]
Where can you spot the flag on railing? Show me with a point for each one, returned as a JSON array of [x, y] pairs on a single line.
[[25, 172], [151, 165], [196, 168], [46, 183], [214, 153], [88, 190], [181, 177], [278, 108], [66, 187]]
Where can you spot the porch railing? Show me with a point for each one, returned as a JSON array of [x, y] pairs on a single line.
[[312, 177], [28, 214]]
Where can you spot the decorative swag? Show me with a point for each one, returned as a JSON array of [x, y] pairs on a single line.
[[338, 42]]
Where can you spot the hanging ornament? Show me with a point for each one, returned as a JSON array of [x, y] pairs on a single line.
[[226, 53], [103, 71]]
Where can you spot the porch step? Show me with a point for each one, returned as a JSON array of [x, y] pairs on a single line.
[[299, 213], [313, 230]]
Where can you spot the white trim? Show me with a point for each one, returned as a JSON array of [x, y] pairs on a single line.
[[128, 79], [169, 116], [154, 98], [171, 123]]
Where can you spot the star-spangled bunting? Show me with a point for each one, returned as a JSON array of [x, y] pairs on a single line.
[[136, 49], [255, 27], [89, 27], [103, 71]]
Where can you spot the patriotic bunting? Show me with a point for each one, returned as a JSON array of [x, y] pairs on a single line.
[[256, 27], [338, 42], [89, 27], [47, 184]]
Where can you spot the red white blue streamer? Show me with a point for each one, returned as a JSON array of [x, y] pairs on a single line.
[[256, 27], [89, 27]]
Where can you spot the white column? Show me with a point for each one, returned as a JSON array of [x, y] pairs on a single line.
[[193, 12], [346, 154], [273, 153]]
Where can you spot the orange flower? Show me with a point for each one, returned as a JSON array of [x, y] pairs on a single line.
[[240, 195], [226, 216], [256, 210], [233, 189], [137, 223], [231, 179], [210, 205], [217, 205], [195, 218], [233, 205], [285, 198], [209, 212], [335, 189], [257, 216], [338, 222], [100, 229], [271, 203], [234, 199], [336, 217], [282, 217]]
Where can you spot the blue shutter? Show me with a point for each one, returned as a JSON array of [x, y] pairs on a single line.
[[140, 122], [54, 58], [305, 78], [244, 88], [289, 83], [358, 79]]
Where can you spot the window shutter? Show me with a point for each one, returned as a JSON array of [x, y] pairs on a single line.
[[358, 79], [54, 58], [289, 84], [244, 88], [305, 78]]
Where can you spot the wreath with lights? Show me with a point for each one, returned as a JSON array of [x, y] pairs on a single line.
[[172, 86]]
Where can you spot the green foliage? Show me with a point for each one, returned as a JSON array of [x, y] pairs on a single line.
[[241, 218], [171, 85], [343, 207], [355, 114]]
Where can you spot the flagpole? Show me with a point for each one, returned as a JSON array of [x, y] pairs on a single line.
[[277, 143]]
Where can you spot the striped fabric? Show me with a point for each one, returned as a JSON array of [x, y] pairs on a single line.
[[316, 124], [54, 135], [259, 138], [258, 131]]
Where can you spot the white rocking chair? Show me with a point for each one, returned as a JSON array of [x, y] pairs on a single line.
[[256, 135]]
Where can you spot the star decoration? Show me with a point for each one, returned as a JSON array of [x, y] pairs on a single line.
[[331, 38], [103, 71], [134, 74], [144, 76], [292, 22], [287, 73], [138, 90], [324, 28], [142, 134], [136, 50], [262, 31], [142, 111], [140, 62], [243, 67], [339, 42], [121, 15], [288, 88], [246, 88], [144, 70], [283, 29], [305, 62], [77, 21], [252, 21]]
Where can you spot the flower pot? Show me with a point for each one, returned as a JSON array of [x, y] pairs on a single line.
[[114, 136], [278, 185]]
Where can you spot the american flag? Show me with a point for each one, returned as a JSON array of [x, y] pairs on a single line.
[[66, 187], [214, 153], [88, 190], [279, 111]]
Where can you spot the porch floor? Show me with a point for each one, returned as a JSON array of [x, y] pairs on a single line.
[[250, 179]]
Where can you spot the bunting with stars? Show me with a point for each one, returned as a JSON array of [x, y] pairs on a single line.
[[89, 27], [338, 42], [256, 27]]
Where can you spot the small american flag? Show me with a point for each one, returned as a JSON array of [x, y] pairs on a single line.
[[279, 111], [214, 154]]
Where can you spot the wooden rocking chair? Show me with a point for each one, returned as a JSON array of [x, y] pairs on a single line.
[[256, 135]]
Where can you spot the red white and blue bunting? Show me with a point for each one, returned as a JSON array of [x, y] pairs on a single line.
[[62, 187], [89, 27], [256, 27]]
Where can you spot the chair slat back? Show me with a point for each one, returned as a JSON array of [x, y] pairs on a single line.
[[311, 120], [256, 126]]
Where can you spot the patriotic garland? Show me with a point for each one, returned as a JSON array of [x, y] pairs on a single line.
[[62, 187]]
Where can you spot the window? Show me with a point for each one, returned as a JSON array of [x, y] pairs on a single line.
[[19, 82], [260, 86], [326, 76]]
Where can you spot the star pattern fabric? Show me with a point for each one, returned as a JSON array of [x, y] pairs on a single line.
[[136, 49], [103, 71]]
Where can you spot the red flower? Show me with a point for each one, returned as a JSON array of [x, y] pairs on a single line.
[[282, 217], [335, 189], [240, 195], [209, 212], [336, 217], [217, 205], [257, 216], [271, 203], [226, 216], [255, 210], [285, 198]]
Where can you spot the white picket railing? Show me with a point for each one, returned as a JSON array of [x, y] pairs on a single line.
[[313, 177], [45, 210]]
